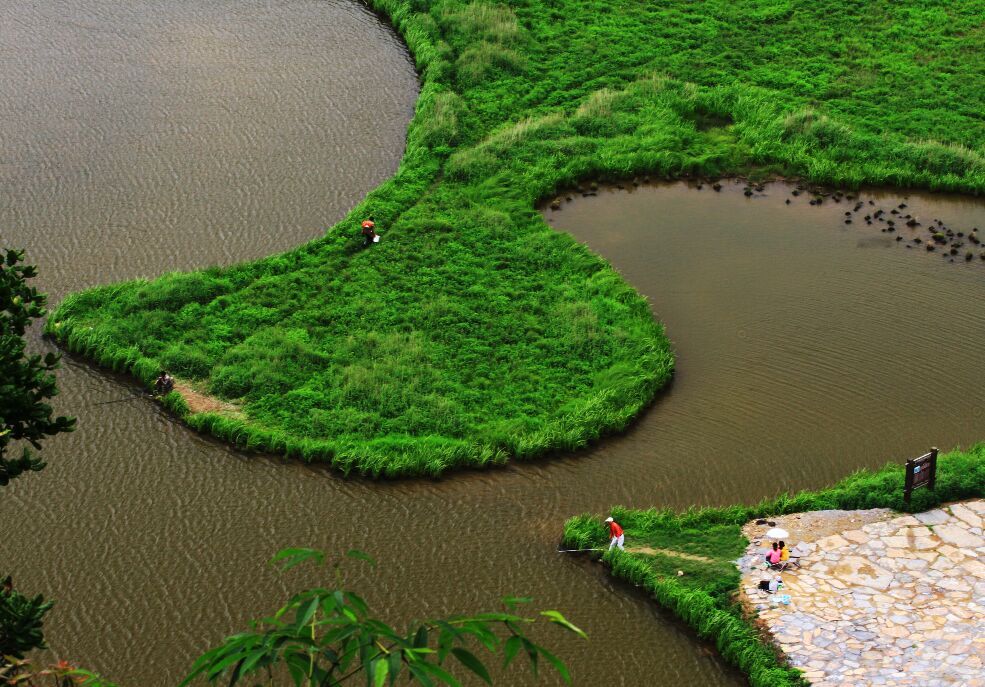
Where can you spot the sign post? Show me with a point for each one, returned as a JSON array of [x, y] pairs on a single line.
[[920, 472]]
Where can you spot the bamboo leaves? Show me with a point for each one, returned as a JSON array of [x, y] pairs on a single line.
[[323, 637]]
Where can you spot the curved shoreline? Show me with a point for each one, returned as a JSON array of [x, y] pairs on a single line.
[[469, 179], [708, 600]]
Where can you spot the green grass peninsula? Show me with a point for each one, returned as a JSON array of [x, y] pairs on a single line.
[[473, 333]]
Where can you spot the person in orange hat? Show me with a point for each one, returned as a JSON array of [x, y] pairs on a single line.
[[369, 232]]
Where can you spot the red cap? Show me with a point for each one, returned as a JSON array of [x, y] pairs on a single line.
[[368, 223]]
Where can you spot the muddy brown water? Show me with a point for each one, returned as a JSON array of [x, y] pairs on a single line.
[[146, 136]]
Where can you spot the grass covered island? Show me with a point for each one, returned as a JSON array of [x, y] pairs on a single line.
[[704, 545], [473, 333]]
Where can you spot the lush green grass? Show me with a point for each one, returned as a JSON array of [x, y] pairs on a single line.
[[473, 333], [704, 596]]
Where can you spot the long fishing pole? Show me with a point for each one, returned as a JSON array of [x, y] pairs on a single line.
[[577, 550], [121, 400]]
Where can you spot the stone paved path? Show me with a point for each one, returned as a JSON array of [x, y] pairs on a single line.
[[899, 601]]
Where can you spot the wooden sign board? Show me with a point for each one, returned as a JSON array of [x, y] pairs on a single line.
[[920, 472]]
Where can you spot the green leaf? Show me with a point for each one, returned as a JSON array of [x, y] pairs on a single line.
[[557, 663], [306, 613], [359, 555], [512, 602], [558, 619], [292, 557], [470, 661], [532, 653], [381, 669], [440, 673], [421, 637], [510, 649], [357, 602]]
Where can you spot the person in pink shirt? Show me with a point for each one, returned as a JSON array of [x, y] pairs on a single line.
[[615, 531], [774, 555]]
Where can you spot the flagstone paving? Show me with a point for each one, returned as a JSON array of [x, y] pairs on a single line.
[[881, 599]]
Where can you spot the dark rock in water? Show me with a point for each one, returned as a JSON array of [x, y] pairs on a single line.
[[717, 187], [813, 202], [620, 187], [899, 238], [848, 214], [788, 201], [878, 213], [909, 246], [968, 256], [869, 222], [960, 233], [912, 223], [556, 204], [917, 240], [699, 186], [568, 198], [890, 229], [872, 202], [930, 246], [974, 238], [868, 217], [953, 251], [891, 223], [747, 193], [893, 212], [796, 192], [901, 206], [848, 221], [982, 256], [939, 238]]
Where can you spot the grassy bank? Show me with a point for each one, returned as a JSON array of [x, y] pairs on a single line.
[[473, 333], [704, 597]]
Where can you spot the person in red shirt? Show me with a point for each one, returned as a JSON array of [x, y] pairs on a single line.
[[615, 531]]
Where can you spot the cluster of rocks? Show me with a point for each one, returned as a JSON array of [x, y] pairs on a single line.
[[897, 601]]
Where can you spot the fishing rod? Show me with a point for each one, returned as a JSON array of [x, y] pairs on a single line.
[[121, 400], [577, 550]]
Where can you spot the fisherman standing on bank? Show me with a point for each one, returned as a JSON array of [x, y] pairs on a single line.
[[615, 531]]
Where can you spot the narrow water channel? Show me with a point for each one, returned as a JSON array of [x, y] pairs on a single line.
[[146, 136]]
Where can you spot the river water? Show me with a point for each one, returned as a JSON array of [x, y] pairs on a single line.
[[148, 136]]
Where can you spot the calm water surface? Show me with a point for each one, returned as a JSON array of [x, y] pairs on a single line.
[[147, 136]]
